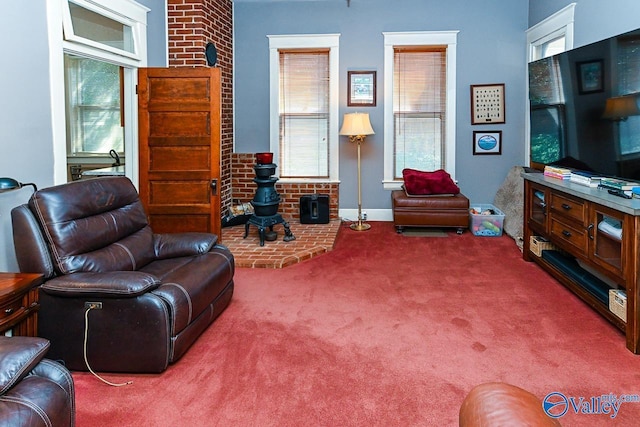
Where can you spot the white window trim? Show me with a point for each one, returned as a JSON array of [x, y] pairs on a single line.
[[420, 38], [57, 48], [556, 25], [304, 41], [122, 11]]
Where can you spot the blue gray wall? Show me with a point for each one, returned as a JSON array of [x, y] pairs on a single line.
[[25, 111], [594, 19], [491, 49]]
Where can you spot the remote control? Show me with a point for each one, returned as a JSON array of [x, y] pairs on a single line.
[[620, 193]]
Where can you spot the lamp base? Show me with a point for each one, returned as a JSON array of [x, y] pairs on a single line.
[[360, 226]]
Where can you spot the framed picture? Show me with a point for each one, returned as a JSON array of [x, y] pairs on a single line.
[[361, 89], [590, 76], [487, 104], [487, 142]]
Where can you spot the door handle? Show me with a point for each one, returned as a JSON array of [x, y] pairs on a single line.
[[214, 186]]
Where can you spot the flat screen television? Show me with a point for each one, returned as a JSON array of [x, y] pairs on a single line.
[[584, 108]]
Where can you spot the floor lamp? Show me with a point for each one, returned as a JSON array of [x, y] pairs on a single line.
[[357, 126]]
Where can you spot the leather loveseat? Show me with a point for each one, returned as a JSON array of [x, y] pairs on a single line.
[[141, 298], [33, 391]]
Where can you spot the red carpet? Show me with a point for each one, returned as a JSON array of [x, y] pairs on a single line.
[[385, 330]]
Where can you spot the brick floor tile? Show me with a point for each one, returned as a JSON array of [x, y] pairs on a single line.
[[311, 240]]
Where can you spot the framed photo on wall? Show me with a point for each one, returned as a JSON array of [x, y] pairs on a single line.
[[361, 91], [590, 76], [487, 142], [487, 104]]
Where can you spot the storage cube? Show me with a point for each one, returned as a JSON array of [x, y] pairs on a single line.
[[483, 223], [618, 303], [537, 244]]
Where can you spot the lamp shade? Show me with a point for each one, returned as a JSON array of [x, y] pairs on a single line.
[[9, 184], [356, 124], [621, 107]]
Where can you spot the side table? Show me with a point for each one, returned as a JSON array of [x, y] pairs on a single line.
[[19, 303]]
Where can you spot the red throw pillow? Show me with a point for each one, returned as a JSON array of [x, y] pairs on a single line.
[[423, 183]]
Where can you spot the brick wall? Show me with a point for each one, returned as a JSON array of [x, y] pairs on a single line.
[[192, 24], [244, 188]]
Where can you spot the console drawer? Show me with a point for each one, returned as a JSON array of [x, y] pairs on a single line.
[[569, 236], [10, 308], [568, 207]]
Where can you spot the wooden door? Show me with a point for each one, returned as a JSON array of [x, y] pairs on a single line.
[[179, 146]]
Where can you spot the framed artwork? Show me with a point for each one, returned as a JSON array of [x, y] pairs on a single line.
[[590, 76], [487, 142], [361, 89], [487, 104]]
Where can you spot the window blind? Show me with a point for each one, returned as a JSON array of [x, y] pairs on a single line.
[[93, 105], [304, 114], [419, 106]]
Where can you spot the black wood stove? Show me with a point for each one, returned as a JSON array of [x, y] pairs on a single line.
[[265, 205]]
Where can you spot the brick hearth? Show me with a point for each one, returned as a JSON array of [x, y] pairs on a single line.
[[311, 240]]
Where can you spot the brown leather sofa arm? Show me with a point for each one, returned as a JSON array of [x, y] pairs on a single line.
[[18, 356], [33, 391], [182, 244], [502, 404], [112, 284]]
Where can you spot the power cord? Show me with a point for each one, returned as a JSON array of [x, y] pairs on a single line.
[[86, 361]]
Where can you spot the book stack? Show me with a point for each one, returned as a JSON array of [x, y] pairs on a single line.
[[619, 185], [557, 172], [589, 179]]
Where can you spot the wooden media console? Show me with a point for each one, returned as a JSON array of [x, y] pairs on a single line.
[[592, 245]]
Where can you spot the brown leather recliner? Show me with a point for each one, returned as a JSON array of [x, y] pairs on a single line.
[[142, 298], [33, 391]]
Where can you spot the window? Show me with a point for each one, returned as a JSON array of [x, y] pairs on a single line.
[[419, 103], [304, 114], [304, 106], [549, 48], [94, 122], [88, 24], [551, 35], [103, 44]]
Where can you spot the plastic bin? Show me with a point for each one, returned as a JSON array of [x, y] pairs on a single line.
[[483, 224]]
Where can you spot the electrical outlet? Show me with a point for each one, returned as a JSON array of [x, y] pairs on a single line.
[[364, 215], [93, 305]]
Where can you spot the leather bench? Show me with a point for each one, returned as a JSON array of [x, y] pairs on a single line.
[[430, 211]]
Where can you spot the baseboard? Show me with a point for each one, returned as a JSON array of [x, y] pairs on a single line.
[[372, 214]]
